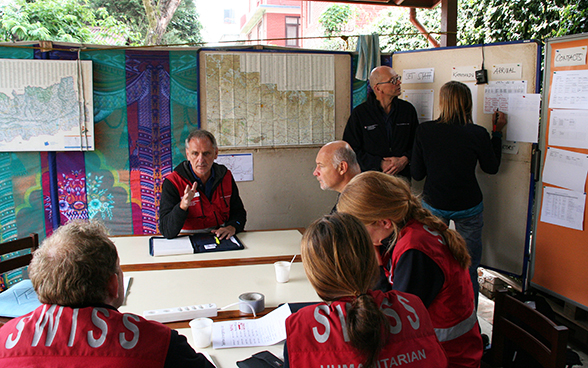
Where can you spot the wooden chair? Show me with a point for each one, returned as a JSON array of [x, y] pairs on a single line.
[[515, 323], [31, 241]]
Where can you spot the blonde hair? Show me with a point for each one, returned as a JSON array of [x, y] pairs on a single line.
[[340, 261], [74, 265], [455, 102], [372, 196]]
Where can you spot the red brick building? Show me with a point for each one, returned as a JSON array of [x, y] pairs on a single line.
[[285, 22]]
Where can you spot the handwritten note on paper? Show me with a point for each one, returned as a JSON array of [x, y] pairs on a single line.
[[565, 169], [568, 128], [523, 118], [422, 100], [506, 71], [563, 207], [511, 148], [426, 75], [569, 90], [570, 57], [267, 330], [464, 73], [496, 94]]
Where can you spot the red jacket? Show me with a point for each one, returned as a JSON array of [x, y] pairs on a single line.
[[56, 336], [317, 335], [452, 312], [204, 213]]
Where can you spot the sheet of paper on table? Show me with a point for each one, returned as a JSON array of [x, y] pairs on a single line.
[[267, 330]]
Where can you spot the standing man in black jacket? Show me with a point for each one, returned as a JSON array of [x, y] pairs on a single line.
[[381, 130], [200, 194]]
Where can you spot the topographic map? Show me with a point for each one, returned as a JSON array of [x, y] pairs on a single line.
[[270, 99], [42, 107]]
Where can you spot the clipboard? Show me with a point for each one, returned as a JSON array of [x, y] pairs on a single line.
[[195, 243]]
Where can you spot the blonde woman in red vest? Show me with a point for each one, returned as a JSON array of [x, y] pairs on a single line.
[[421, 256], [355, 326]]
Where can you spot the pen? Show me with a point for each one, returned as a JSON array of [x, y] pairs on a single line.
[[216, 239]]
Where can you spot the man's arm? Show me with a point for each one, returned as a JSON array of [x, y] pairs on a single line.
[[180, 354], [237, 215], [171, 215]]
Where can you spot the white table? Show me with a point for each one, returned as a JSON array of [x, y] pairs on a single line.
[[260, 246]]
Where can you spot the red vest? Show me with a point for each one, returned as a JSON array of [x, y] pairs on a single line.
[[452, 312], [204, 213], [317, 336], [56, 336]]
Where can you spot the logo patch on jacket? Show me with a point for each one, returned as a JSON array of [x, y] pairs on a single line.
[[370, 127]]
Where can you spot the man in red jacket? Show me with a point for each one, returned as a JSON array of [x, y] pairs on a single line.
[[200, 194], [77, 277]]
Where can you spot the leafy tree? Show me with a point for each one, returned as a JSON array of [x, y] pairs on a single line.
[[333, 21], [60, 20], [183, 25]]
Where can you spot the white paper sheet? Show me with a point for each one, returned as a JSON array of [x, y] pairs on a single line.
[[496, 94], [267, 330], [240, 164], [506, 71], [511, 148], [523, 118], [563, 207], [565, 169], [169, 247], [422, 100], [570, 56], [425, 75], [464, 73], [568, 128], [569, 90]]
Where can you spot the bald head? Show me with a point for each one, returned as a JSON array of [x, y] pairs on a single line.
[[385, 83], [336, 165]]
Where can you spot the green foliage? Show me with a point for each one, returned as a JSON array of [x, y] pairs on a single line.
[[185, 27], [59, 20], [334, 19]]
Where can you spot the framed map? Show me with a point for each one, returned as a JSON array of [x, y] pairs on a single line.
[[46, 105], [255, 99]]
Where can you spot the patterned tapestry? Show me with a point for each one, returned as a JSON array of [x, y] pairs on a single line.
[[145, 104]]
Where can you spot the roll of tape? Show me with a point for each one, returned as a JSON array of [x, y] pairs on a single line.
[[255, 300]]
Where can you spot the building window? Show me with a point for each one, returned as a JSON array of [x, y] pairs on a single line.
[[229, 16], [292, 31]]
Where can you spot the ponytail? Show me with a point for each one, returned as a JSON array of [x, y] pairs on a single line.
[[367, 327]]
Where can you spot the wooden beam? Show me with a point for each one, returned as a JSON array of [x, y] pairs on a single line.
[[449, 23]]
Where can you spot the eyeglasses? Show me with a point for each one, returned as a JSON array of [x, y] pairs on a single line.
[[393, 80]]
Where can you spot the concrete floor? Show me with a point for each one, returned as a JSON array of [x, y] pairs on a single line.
[[485, 317]]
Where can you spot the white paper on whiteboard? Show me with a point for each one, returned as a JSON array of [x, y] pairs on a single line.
[[569, 90], [568, 128], [506, 71], [496, 94], [422, 100], [464, 73], [523, 118], [565, 169], [563, 207], [426, 75]]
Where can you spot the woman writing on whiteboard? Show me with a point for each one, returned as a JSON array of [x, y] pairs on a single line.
[[355, 326], [446, 152], [421, 256]]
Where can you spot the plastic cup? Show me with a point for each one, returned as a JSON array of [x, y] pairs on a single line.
[[282, 271], [201, 332]]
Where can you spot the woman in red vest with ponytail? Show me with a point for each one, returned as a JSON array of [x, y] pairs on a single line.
[[355, 326]]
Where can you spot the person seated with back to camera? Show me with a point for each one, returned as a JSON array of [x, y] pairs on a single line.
[[201, 194], [420, 255], [355, 326], [77, 276]]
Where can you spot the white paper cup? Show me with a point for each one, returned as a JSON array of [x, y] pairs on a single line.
[[282, 271], [201, 332]]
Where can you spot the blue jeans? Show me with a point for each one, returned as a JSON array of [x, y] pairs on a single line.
[[470, 229]]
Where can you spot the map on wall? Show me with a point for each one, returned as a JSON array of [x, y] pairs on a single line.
[[46, 105], [270, 99]]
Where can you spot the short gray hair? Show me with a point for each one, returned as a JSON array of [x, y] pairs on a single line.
[[201, 133], [346, 154]]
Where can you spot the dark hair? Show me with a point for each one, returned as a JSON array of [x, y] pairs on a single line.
[[340, 261], [455, 102]]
